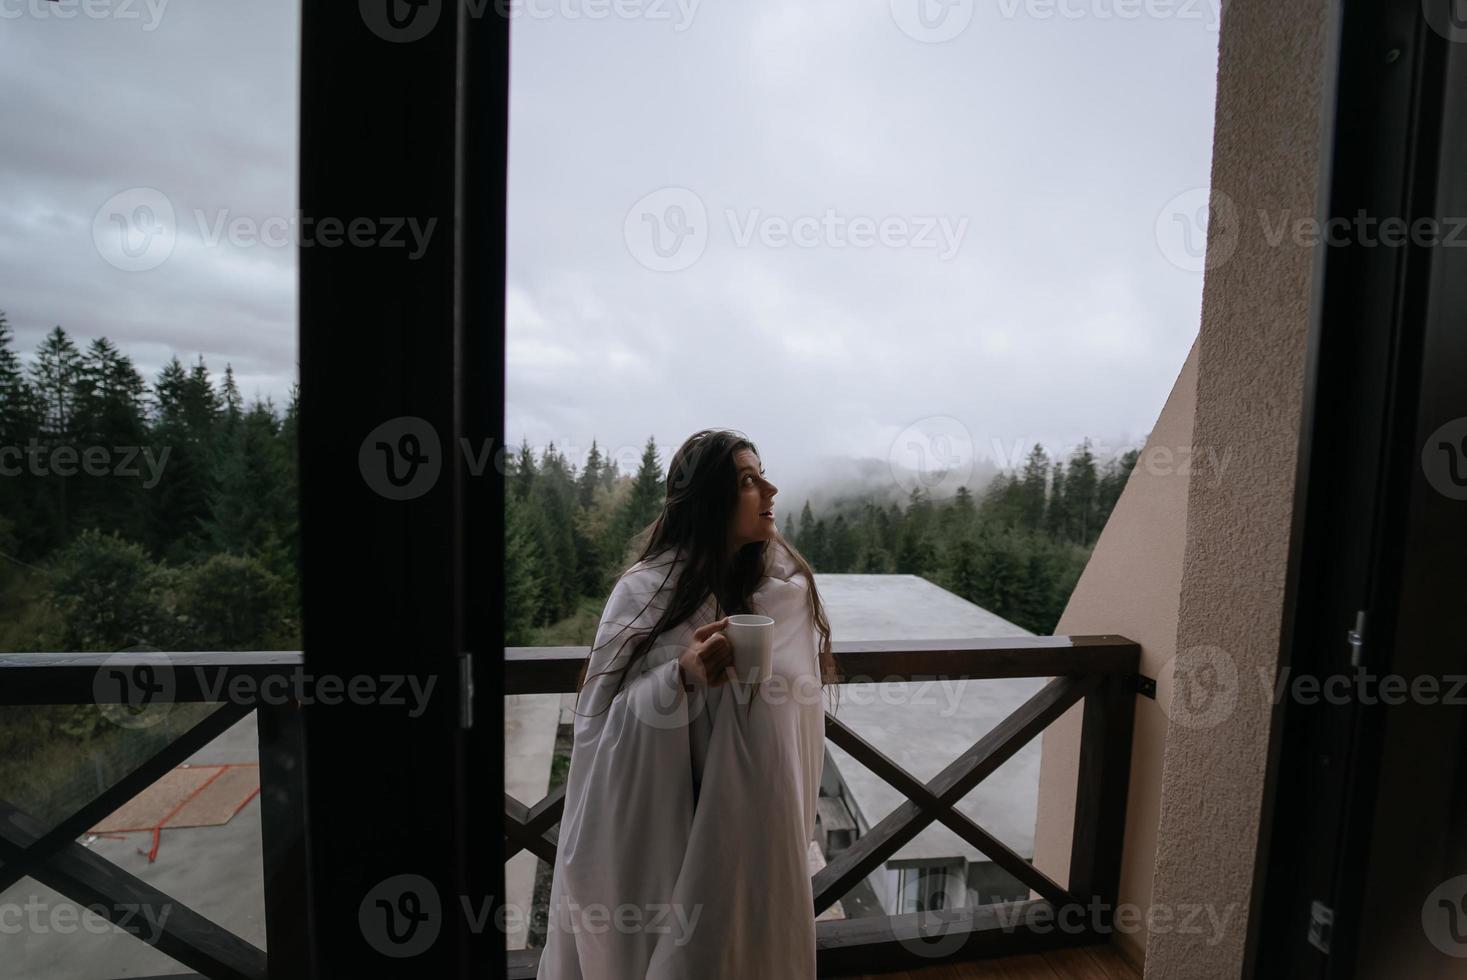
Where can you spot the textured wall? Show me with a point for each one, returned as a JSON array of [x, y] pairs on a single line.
[[1131, 586], [1266, 157]]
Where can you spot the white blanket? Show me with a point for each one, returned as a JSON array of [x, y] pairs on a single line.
[[649, 882]]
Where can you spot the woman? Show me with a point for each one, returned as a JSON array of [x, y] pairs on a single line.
[[690, 800]]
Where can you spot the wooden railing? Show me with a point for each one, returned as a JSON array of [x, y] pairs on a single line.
[[1100, 671], [53, 857]]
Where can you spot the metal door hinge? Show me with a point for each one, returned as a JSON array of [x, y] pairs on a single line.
[[1321, 924], [466, 690], [1356, 639]]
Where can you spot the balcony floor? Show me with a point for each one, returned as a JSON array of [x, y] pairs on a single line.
[[1084, 963]]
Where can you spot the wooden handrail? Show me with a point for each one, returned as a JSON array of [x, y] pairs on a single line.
[[553, 670], [70, 678], [1098, 672], [74, 678]]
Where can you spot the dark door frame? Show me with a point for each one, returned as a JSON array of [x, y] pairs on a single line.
[[1365, 805], [403, 117]]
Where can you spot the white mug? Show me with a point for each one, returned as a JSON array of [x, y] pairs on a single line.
[[753, 645]]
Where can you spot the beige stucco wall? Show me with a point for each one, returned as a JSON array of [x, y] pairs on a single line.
[[1204, 800], [1131, 586], [1250, 368]]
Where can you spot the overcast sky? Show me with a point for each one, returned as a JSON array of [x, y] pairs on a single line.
[[838, 225]]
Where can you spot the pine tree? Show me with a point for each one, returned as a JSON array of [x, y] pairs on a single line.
[[959, 572], [18, 410], [1113, 482], [555, 496], [290, 452], [201, 404], [1081, 485], [590, 480], [233, 403], [588, 562], [917, 550], [1057, 514], [841, 545], [21, 501], [1000, 574], [523, 480], [249, 495], [1003, 501], [873, 559], [187, 408], [522, 575], [648, 493], [963, 503], [610, 473], [814, 546], [1033, 484], [55, 377], [917, 553], [110, 420]]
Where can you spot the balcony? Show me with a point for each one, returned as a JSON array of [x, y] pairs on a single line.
[[1098, 672], [1331, 370]]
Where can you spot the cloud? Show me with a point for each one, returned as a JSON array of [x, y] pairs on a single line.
[[1056, 142]]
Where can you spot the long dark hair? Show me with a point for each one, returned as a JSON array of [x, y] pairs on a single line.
[[702, 490]]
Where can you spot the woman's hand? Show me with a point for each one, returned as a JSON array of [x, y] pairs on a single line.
[[709, 661]]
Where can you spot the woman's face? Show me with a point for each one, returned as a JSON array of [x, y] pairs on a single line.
[[754, 517]]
